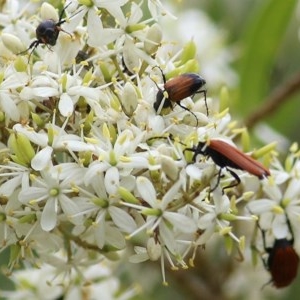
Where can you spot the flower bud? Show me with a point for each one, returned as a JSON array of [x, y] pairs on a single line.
[[127, 196], [20, 64], [169, 167], [228, 243], [264, 150], [131, 60], [190, 66], [87, 77], [135, 27], [224, 98], [129, 99], [105, 72], [88, 3], [245, 140], [28, 219], [153, 249], [153, 39], [189, 52], [48, 12], [12, 43], [22, 148]]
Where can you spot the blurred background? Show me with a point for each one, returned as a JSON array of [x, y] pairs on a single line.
[[252, 48]]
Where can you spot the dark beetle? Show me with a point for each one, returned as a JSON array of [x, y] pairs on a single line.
[[47, 32]]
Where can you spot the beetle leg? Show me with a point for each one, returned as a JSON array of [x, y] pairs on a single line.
[[236, 177], [185, 108], [204, 94], [218, 181]]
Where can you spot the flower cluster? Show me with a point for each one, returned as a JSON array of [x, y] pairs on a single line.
[[87, 164], [278, 205], [98, 283]]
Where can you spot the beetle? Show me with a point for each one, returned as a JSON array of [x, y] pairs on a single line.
[[283, 260], [179, 88], [227, 156], [47, 32]]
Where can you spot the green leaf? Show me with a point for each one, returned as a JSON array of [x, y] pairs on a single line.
[[261, 41]]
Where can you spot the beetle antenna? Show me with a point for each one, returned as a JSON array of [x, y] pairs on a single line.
[[167, 137], [162, 73], [196, 150], [156, 84], [65, 20], [60, 21]]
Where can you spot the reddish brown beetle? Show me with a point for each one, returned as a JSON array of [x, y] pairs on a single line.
[[225, 155], [179, 88], [283, 260]]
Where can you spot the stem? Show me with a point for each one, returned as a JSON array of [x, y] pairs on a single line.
[[116, 64], [42, 106], [77, 240], [277, 98]]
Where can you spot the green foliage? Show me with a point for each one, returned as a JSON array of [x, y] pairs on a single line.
[[261, 41]]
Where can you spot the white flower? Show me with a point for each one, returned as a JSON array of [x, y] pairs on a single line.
[[104, 203], [160, 217], [59, 139], [15, 175], [9, 223], [8, 96], [26, 288], [52, 286], [94, 23], [211, 220], [279, 209], [67, 88], [157, 10], [12, 17], [120, 154], [54, 193], [168, 227], [278, 206]]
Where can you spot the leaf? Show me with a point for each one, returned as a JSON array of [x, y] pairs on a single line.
[[262, 39]]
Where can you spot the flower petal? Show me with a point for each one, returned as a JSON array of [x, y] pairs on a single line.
[[146, 190], [181, 222], [65, 105], [260, 206], [122, 219], [49, 215], [42, 159], [111, 180]]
